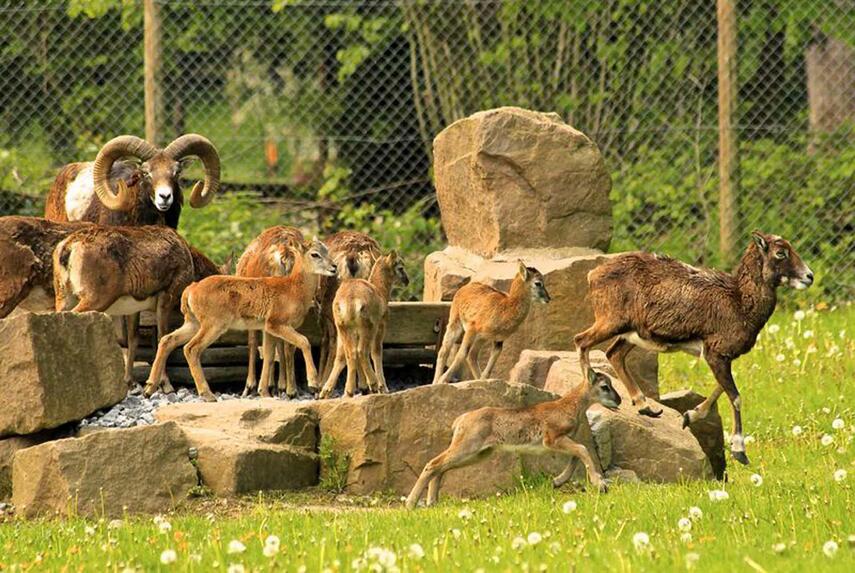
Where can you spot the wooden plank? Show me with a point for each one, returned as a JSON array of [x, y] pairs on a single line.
[[213, 356], [410, 323], [181, 374]]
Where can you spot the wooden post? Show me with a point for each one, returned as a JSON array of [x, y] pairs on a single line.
[[152, 60], [728, 152]]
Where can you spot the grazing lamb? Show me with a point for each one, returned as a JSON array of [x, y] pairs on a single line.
[[547, 427], [276, 305], [360, 311], [663, 305], [481, 313]]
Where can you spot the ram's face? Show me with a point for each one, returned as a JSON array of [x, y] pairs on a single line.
[[161, 175]]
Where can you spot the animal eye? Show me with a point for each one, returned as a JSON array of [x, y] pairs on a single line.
[[316, 255], [538, 283], [781, 255]]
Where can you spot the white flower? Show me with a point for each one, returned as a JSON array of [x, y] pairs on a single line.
[[164, 526], [807, 334], [774, 328], [757, 480], [695, 513], [456, 533], [269, 551], [168, 557], [465, 513], [272, 541], [235, 547], [837, 424], [569, 506], [684, 524], [839, 475], [692, 559], [641, 541], [779, 547], [718, 495], [829, 548], [235, 568], [797, 362], [826, 440], [416, 552], [826, 410], [686, 537], [749, 439], [114, 524], [89, 530], [383, 557], [799, 315], [797, 431], [518, 543], [534, 538], [780, 357]]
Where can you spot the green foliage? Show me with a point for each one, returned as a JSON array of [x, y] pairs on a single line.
[[334, 466], [670, 199]]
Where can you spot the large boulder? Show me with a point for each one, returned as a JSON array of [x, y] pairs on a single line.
[[547, 327], [57, 368], [655, 449], [138, 470], [250, 445], [509, 178], [8, 447]]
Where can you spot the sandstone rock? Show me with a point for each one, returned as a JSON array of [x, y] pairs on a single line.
[[231, 465], [708, 431], [57, 368], [138, 470], [8, 447], [548, 327], [643, 365], [511, 177], [250, 445], [656, 449], [533, 367]]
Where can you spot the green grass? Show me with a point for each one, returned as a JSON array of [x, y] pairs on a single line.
[[798, 505]]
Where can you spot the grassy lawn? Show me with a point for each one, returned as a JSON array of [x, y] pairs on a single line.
[[800, 374]]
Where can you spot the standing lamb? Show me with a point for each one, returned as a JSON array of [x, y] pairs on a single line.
[[664, 305], [276, 305], [481, 313], [360, 310]]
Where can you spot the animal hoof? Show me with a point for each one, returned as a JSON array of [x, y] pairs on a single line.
[[603, 488], [291, 395], [686, 420], [650, 412], [149, 391], [208, 397], [740, 457]]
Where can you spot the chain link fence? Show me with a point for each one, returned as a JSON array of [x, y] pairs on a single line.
[[324, 110]]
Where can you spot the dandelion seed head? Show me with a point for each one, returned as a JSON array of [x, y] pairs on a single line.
[[534, 538], [797, 431], [839, 475], [826, 440], [235, 547], [830, 548], [718, 495], [168, 557], [779, 548], [569, 506], [695, 513], [757, 480], [415, 551], [684, 524], [838, 424], [641, 541], [518, 543], [774, 328], [799, 315]]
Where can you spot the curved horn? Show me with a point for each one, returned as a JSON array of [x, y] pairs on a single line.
[[117, 148], [194, 144]]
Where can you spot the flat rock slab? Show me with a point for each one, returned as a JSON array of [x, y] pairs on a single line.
[[510, 177], [656, 449], [57, 368], [387, 439], [138, 470], [708, 431]]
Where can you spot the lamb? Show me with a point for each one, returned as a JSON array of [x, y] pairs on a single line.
[[543, 428], [354, 254], [664, 305], [146, 194], [271, 254], [482, 313], [360, 310], [26, 261], [277, 305], [123, 271]]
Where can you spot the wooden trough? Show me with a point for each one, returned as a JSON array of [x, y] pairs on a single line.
[[413, 334]]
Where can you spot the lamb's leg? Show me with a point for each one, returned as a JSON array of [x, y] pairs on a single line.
[[294, 338], [363, 354], [166, 345], [452, 333], [494, 355], [720, 367], [472, 360], [335, 372], [565, 475], [193, 352], [565, 444], [377, 357], [252, 347], [465, 345], [164, 307], [267, 353], [616, 354], [286, 366], [460, 453]]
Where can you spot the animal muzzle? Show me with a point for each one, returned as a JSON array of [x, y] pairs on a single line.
[[803, 281], [163, 198], [543, 296]]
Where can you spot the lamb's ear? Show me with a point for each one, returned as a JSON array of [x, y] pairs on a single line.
[[592, 376], [760, 240], [523, 270]]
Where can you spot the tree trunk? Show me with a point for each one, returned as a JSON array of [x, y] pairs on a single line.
[[728, 157], [830, 67], [152, 58]]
